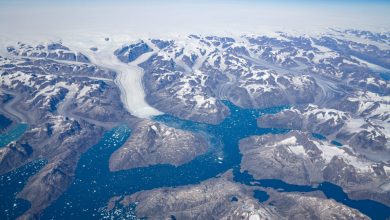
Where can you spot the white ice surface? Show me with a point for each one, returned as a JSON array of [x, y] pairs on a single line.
[[129, 78]]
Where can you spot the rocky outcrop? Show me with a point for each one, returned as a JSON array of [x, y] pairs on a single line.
[[61, 142], [46, 186], [68, 103], [54, 51], [67, 106], [185, 96], [355, 130], [311, 206], [371, 53], [298, 158], [129, 53], [221, 198], [217, 198], [154, 143]]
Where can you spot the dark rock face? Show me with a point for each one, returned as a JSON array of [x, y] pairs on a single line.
[[50, 182], [161, 43], [370, 53], [320, 56], [153, 143], [5, 98], [312, 118], [53, 46], [129, 53], [367, 105], [67, 108], [69, 102], [283, 163], [91, 97], [208, 200], [99, 102], [38, 67], [376, 37], [221, 198], [180, 94], [298, 158], [12, 157], [300, 206], [358, 130], [198, 94], [54, 51], [61, 147], [251, 72]]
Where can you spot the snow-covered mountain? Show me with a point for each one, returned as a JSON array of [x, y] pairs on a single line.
[[332, 84]]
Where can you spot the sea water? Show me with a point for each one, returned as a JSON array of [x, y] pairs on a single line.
[[13, 182], [94, 184], [12, 134], [4, 122]]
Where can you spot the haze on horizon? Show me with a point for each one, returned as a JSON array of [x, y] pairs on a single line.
[[36, 18]]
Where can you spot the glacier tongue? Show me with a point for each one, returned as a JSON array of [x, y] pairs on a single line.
[[129, 78]]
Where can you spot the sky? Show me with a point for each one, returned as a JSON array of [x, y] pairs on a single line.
[[29, 18]]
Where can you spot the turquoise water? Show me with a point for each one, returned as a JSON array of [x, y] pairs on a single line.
[[322, 137], [318, 136], [12, 134], [336, 143], [94, 184], [385, 76]]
